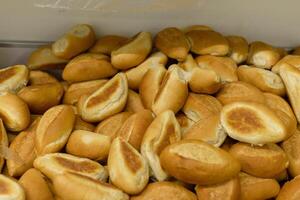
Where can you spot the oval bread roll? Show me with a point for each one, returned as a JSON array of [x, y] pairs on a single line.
[[55, 164], [37, 77], [108, 43], [197, 162], [83, 125], [163, 130], [293, 60], [165, 190], [13, 78], [72, 186], [134, 102], [290, 190], [133, 53], [128, 170], [10, 189], [88, 66], [188, 64], [4, 141], [260, 161], [238, 48], [253, 123], [88, 144], [107, 100]]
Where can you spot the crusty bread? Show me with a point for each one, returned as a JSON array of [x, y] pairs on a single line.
[[4, 141], [88, 66], [290, 190], [13, 78], [196, 27], [184, 122], [253, 123], [83, 125], [134, 102], [162, 131], [10, 189], [238, 48], [188, 64], [293, 60], [197, 162], [133, 53], [37, 77], [108, 43]]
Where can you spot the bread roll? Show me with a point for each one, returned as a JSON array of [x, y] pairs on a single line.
[[290, 190], [262, 55], [44, 58], [282, 52], [229, 190], [207, 42], [128, 170], [172, 92], [240, 91], [3, 142], [72, 186], [224, 67], [196, 27], [108, 43], [40, 98], [54, 129], [253, 123], [208, 130], [150, 85], [37, 77], [291, 78], [14, 112], [78, 39], [23, 148], [88, 144], [162, 131], [76, 90], [134, 128], [197, 162], [293, 60], [55, 164], [165, 190], [107, 100], [88, 66], [263, 79], [133, 53], [83, 125], [261, 161], [134, 102], [188, 64], [257, 188], [136, 74], [173, 43], [198, 106], [13, 78], [238, 48], [10, 189], [184, 122], [292, 148], [35, 186]]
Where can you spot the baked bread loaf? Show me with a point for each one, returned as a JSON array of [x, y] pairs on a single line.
[[290, 190], [13, 78], [37, 77], [108, 43], [10, 189], [134, 102], [238, 48]]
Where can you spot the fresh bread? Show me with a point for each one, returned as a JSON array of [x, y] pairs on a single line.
[[14, 112], [199, 106], [206, 42], [184, 122], [23, 151], [55, 164], [83, 125], [72, 186], [265, 161], [197, 162], [229, 190], [10, 189], [165, 190], [290, 190], [188, 64], [262, 55], [88, 144], [88, 66], [76, 90], [108, 43], [240, 91], [238, 48], [40, 98], [134, 102], [77, 40], [136, 74], [35, 186], [173, 43], [107, 100], [54, 129], [196, 27], [257, 188], [4, 141], [208, 130], [162, 131], [133, 53], [128, 170], [282, 52], [150, 84], [37, 77], [296, 51], [263, 79], [134, 128], [44, 58], [225, 67], [172, 92], [253, 123], [13, 78], [293, 60]]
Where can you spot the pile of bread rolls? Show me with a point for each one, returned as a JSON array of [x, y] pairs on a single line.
[[186, 114]]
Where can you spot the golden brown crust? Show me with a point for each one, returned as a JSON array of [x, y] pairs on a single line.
[[108, 43], [290, 190], [293, 60], [238, 48], [37, 77], [196, 27], [83, 125], [10, 189], [13, 78], [134, 102], [4, 141]]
